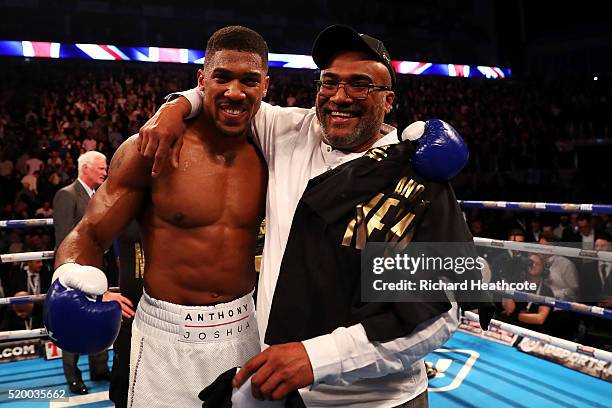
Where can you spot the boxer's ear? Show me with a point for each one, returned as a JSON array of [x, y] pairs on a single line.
[[266, 85]]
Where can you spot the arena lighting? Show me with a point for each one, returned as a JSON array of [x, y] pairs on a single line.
[[107, 52], [595, 78]]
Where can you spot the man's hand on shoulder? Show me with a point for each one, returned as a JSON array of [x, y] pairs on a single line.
[[277, 371], [162, 135]]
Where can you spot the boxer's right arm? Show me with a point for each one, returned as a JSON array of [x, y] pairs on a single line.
[[111, 208], [74, 320]]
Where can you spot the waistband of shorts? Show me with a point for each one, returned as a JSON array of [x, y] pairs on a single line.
[[159, 317]]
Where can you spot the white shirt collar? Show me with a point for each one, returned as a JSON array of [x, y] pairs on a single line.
[[90, 191]]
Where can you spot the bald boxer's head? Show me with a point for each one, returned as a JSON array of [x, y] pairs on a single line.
[[234, 79], [354, 91]]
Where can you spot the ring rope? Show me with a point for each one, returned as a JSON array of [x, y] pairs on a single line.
[[26, 256], [32, 222], [16, 300], [534, 206], [560, 304], [544, 249], [496, 205], [23, 334], [483, 242], [561, 343]]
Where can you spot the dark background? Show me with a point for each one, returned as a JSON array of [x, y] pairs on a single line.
[[535, 38]]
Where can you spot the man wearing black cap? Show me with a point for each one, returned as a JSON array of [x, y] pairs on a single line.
[[343, 366]]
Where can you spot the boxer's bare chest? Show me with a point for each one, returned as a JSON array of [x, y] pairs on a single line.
[[212, 187]]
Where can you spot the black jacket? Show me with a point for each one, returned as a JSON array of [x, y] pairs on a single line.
[[318, 289]]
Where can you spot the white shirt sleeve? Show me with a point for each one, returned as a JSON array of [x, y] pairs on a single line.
[[346, 355], [275, 124], [194, 96]]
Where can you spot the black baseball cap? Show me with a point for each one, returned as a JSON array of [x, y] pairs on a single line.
[[340, 37]]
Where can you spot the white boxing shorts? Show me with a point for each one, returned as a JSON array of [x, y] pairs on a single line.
[[179, 350]]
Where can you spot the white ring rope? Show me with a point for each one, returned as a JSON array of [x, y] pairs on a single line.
[[26, 256], [555, 341], [544, 249]]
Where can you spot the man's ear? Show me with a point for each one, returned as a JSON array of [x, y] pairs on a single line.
[[266, 85], [389, 98], [201, 79]]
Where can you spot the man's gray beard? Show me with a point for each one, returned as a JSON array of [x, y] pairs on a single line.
[[365, 130]]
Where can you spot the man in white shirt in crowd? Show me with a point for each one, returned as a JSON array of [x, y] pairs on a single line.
[[355, 92], [563, 276], [34, 164], [586, 230]]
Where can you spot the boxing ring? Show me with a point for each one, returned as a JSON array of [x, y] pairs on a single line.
[[472, 369]]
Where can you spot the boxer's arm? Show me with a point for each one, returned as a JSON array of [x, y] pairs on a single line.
[[162, 134], [346, 355], [111, 208]]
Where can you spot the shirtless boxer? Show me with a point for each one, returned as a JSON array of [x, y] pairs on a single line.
[[198, 222]]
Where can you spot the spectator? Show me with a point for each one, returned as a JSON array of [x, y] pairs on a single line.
[[34, 164], [534, 231], [33, 277], [562, 277], [585, 228], [604, 272], [30, 182], [45, 211], [510, 265], [90, 143], [6, 167], [21, 316], [531, 315]]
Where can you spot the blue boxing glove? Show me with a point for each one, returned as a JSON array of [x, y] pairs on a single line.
[[74, 314], [440, 152]]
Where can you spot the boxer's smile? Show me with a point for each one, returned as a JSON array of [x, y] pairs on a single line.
[[233, 84]]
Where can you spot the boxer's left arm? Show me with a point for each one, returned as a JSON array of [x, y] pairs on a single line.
[[342, 357]]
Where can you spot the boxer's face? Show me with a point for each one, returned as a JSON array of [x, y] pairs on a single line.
[[349, 123], [233, 83]]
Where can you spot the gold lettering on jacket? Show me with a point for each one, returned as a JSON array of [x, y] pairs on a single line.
[[362, 212], [361, 226], [377, 153], [407, 187]]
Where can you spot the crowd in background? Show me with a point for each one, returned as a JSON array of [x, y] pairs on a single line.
[[525, 138]]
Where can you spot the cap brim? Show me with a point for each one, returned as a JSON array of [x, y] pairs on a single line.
[[334, 39]]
